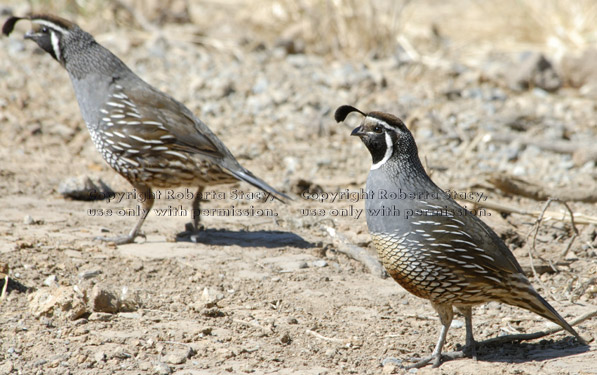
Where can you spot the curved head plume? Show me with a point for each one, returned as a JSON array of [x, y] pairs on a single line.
[[48, 32], [344, 110]]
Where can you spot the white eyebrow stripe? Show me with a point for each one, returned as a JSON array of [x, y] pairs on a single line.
[[51, 25], [382, 123]]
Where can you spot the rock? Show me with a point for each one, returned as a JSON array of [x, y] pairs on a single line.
[[129, 300], [175, 358], [129, 315], [457, 324], [533, 70], [103, 300], [28, 220], [320, 263], [144, 366], [89, 274], [51, 280], [120, 353], [107, 300], [210, 297], [285, 338], [212, 312], [206, 331], [391, 365], [84, 189], [162, 369], [62, 302], [390, 368], [99, 356]]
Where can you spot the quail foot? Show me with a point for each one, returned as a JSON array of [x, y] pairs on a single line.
[[146, 136], [433, 247]]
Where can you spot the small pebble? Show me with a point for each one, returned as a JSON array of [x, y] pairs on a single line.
[[129, 315], [99, 356], [100, 317], [85, 275], [457, 324], [175, 358], [50, 280], [162, 369], [285, 338], [320, 263]]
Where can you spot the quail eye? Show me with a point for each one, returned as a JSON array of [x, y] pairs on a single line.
[[44, 30], [377, 129]]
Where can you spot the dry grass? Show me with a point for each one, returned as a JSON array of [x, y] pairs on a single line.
[[336, 27], [353, 28], [555, 26]]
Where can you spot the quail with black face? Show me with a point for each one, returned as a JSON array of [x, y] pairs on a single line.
[[428, 243], [148, 137]]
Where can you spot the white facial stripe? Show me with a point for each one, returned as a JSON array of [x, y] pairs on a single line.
[[386, 157], [51, 25], [55, 44]]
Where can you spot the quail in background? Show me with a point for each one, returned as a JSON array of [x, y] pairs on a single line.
[[148, 137], [441, 252]]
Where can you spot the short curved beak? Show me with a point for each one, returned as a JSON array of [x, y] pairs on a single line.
[[358, 131]]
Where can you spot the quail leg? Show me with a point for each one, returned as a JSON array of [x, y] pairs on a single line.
[[445, 316], [145, 204], [192, 229], [196, 212], [471, 345]]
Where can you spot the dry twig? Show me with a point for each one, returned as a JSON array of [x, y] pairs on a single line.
[[516, 186], [536, 335], [331, 339], [355, 252], [548, 215], [536, 228]]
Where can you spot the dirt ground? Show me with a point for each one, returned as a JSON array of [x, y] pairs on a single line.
[[276, 294]]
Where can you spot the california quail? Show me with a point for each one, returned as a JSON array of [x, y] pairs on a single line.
[[148, 137], [428, 243]]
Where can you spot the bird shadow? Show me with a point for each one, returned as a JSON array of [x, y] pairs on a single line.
[[242, 238], [520, 352]]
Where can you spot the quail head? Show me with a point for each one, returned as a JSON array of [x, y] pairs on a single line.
[[148, 137], [428, 243]]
